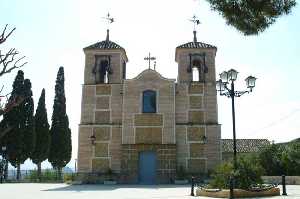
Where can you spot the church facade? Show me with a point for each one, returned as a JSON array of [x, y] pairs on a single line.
[[145, 128]]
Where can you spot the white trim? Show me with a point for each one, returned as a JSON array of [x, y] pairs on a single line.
[[187, 162], [148, 126], [102, 95], [109, 106], [95, 125], [134, 133], [102, 109], [123, 112], [101, 158], [102, 141], [150, 71], [196, 109], [157, 102], [174, 113], [188, 103], [195, 94]]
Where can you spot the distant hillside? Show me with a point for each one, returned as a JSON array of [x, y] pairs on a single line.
[[289, 143], [296, 140]]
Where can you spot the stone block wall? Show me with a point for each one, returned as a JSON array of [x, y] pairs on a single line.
[[197, 130], [101, 116], [153, 128]]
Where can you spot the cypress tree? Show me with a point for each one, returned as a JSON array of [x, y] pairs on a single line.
[[42, 143], [28, 122], [60, 148], [14, 118]]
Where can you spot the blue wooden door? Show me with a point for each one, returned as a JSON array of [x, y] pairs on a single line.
[[147, 167]]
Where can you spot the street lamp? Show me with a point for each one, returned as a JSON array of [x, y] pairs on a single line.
[[229, 77], [93, 139]]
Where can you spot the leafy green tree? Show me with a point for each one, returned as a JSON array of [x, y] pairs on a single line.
[[61, 148], [252, 16], [42, 143], [270, 159], [291, 159]]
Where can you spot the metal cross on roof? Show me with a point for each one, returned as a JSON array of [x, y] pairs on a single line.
[[149, 59], [195, 20]]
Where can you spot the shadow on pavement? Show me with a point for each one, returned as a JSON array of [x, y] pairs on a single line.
[[101, 187]]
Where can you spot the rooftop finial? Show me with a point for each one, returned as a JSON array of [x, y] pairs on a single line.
[[109, 21], [195, 36], [196, 21], [107, 35]]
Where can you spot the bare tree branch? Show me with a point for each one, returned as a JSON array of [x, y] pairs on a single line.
[[3, 37], [9, 58], [8, 62]]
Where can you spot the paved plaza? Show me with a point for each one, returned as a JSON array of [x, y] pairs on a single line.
[[63, 191]]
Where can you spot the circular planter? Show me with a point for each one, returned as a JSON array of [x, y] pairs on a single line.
[[238, 193]]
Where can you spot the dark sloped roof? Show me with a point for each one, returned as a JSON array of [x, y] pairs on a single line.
[[244, 145], [196, 45], [106, 44]]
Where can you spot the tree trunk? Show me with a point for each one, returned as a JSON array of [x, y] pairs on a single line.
[[39, 171], [18, 172], [59, 174]]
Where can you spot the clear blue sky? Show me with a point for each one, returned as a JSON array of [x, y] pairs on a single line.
[[52, 34]]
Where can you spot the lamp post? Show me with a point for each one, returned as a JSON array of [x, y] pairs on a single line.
[[229, 77]]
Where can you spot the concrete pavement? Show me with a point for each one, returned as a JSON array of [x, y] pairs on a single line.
[[63, 191]]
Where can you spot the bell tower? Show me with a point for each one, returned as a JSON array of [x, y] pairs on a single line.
[[196, 106], [101, 106], [105, 63]]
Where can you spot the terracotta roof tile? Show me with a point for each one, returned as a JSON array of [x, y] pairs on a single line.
[[244, 145], [196, 45], [104, 45]]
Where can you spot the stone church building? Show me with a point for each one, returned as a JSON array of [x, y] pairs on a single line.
[[145, 128]]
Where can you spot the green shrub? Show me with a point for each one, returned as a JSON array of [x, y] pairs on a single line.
[[248, 173], [220, 176], [47, 175], [32, 177], [68, 177]]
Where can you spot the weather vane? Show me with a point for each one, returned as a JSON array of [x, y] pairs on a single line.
[[149, 59], [195, 20], [109, 19]]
